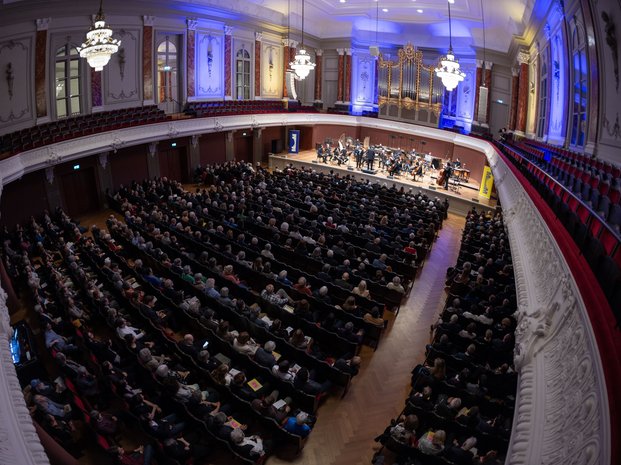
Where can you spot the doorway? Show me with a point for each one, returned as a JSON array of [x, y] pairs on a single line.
[[498, 117], [79, 190]]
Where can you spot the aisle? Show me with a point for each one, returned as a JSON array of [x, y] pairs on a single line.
[[345, 428]]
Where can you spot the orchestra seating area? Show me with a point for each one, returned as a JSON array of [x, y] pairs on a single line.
[[460, 408], [243, 107], [585, 196], [79, 126]]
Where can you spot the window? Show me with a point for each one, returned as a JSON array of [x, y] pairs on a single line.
[[242, 74], [167, 78], [579, 83], [67, 81], [544, 65]]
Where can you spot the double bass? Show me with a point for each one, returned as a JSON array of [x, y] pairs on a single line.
[[441, 177]]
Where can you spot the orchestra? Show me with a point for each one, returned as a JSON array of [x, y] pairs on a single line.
[[392, 161]]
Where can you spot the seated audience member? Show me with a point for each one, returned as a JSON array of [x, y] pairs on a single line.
[[461, 455], [266, 408], [423, 400], [351, 366], [404, 431], [249, 446], [279, 298], [298, 340], [298, 425], [321, 294], [432, 443], [264, 356], [244, 344], [304, 383], [142, 455], [396, 285], [361, 290], [283, 371], [374, 318], [302, 287]]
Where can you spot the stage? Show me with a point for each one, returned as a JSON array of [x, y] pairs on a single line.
[[462, 196]]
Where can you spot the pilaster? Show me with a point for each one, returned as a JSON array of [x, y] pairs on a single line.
[[147, 60], [514, 98], [191, 56], [341, 74], [258, 38], [228, 62], [318, 77], [40, 74], [522, 104]]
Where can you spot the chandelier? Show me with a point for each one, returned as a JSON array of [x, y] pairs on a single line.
[[99, 45], [302, 64], [448, 69]]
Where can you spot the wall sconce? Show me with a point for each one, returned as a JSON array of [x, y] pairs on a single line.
[[10, 78]]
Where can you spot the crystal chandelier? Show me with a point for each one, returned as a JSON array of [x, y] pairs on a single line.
[[302, 64], [448, 69], [99, 45]]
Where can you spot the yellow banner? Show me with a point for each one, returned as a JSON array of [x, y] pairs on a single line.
[[486, 183]]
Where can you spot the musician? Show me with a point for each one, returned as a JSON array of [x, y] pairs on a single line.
[[457, 164], [418, 170], [323, 154], [370, 158], [358, 154], [448, 171]]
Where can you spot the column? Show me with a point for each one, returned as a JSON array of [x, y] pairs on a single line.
[[153, 161], [104, 174], [522, 105], [40, 55], [257, 145], [194, 154], [318, 77], [258, 37], [477, 85], [514, 99], [191, 56], [228, 62], [52, 190], [147, 60], [341, 74], [96, 95], [230, 146], [347, 82], [289, 46], [487, 79]]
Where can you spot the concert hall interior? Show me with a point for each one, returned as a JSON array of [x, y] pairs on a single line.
[[319, 232]]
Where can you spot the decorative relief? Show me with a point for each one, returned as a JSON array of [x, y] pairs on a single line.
[[16, 81], [209, 67], [121, 81], [559, 416], [271, 70]]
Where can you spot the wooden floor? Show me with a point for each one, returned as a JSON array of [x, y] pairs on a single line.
[[346, 427]]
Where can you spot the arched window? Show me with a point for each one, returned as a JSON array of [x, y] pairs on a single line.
[[167, 74], [242, 74], [67, 87], [579, 85], [542, 110]]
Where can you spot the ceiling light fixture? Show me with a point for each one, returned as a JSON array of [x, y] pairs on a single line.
[[302, 64], [448, 68], [419, 11], [99, 45], [385, 10]]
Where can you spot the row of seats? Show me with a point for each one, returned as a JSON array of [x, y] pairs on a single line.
[[578, 158], [242, 107], [594, 237], [69, 128]]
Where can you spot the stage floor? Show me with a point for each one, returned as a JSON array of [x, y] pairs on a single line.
[[461, 197]]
